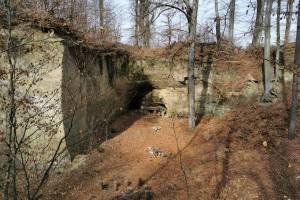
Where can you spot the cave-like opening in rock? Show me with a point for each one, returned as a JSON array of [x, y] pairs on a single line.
[[144, 100], [138, 95]]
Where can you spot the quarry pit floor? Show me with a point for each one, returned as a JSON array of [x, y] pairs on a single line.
[[243, 155]]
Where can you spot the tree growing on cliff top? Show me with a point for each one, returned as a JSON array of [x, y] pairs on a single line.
[[190, 10], [218, 21], [142, 22]]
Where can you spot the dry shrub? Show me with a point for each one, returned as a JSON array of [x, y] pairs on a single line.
[[253, 124], [257, 52], [179, 51]]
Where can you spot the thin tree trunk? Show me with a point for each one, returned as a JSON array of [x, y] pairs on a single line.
[[297, 49], [218, 21], [12, 148], [231, 21], [72, 11], [142, 21], [277, 62], [258, 23], [136, 25], [191, 64], [101, 13], [267, 51], [289, 13], [147, 24], [169, 34], [8, 137], [293, 109], [294, 104], [85, 10]]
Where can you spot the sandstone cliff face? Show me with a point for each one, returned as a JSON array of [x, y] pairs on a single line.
[[67, 94], [290, 53], [90, 96], [38, 95], [219, 85], [212, 96]]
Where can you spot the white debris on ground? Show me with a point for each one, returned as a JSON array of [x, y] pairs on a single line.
[[156, 129], [251, 79], [265, 143], [157, 152]]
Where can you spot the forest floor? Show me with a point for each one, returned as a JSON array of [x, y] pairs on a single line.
[[243, 155]]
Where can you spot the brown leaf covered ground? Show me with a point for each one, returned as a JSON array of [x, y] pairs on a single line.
[[244, 155]]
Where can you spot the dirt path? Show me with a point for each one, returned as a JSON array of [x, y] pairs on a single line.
[[244, 155]]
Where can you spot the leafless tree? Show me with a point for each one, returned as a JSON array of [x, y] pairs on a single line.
[[11, 176], [192, 13], [190, 10], [289, 15], [277, 60], [101, 13], [267, 52], [231, 21], [258, 27], [72, 10], [142, 22], [218, 21], [294, 103], [170, 28]]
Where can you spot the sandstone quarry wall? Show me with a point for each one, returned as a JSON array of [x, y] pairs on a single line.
[[66, 93], [90, 96]]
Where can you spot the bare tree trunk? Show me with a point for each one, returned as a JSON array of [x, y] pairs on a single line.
[[169, 30], [101, 13], [85, 10], [147, 24], [258, 23], [294, 104], [191, 63], [11, 181], [231, 21], [136, 25], [144, 22], [72, 11], [289, 13], [293, 109], [141, 20], [277, 62], [218, 21], [267, 52], [297, 49]]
